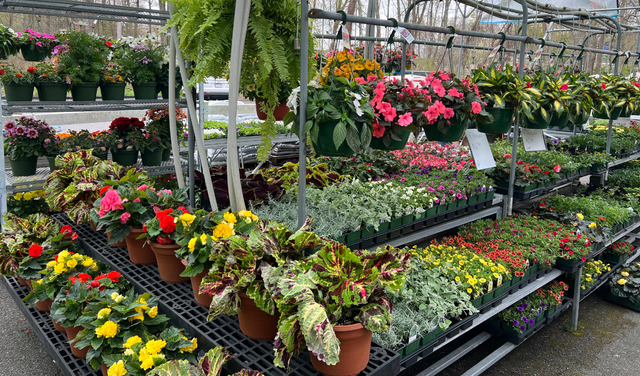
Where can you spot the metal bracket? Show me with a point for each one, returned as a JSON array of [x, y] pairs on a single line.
[[450, 41]]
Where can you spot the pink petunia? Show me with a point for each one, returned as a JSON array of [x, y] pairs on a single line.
[[405, 119], [440, 107]]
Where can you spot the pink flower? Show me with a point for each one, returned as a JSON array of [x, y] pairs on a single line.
[[476, 108], [454, 92], [556, 169], [432, 113], [604, 86], [564, 87], [390, 113], [439, 89], [405, 119], [124, 218], [137, 199], [360, 81], [110, 201], [378, 130], [448, 113], [143, 187], [440, 107]]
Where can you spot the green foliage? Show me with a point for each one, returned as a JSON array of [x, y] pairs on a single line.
[[626, 282], [210, 364], [85, 59], [8, 43], [505, 88], [318, 176], [366, 166]]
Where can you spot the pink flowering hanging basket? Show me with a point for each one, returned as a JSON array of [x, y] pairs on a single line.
[[390, 143]]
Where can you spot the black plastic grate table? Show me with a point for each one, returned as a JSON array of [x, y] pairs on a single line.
[[177, 302]]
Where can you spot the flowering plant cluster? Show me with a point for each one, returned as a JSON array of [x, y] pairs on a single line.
[[47, 72], [626, 282], [26, 137], [27, 203], [112, 74], [450, 186], [620, 248], [525, 313], [158, 120], [363, 166], [433, 154], [140, 63], [591, 270], [40, 254], [593, 208], [393, 103], [345, 64], [81, 56], [391, 59], [10, 74], [33, 40], [125, 133], [168, 225]]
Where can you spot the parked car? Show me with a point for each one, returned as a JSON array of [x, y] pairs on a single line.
[[216, 88]]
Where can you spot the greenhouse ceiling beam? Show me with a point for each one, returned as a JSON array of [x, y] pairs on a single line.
[[77, 9]]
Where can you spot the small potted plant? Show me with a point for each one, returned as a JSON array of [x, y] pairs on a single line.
[[141, 66], [35, 46], [25, 142], [159, 120], [604, 95], [150, 148], [52, 84], [391, 59], [100, 144], [112, 83], [125, 135], [18, 85], [319, 311], [82, 59], [339, 117], [9, 45]]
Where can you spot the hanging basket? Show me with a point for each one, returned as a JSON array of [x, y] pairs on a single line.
[[378, 143], [279, 112], [625, 114], [112, 91], [538, 121], [18, 92], [454, 133], [166, 154], [615, 113], [145, 90], [582, 119], [84, 92], [52, 91], [325, 146], [502, 120], [31, 53], [559, 121]]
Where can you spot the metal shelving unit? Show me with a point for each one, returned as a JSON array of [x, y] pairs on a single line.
[[10, 108]]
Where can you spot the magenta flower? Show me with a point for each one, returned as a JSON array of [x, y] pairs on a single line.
[[110, 201], [405, 119]]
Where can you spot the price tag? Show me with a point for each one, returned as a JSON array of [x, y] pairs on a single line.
[[406, 34], [533, 139], [499, 281], [480, 149], [494, 51], [538, 54], [490, 287], [346, 42]]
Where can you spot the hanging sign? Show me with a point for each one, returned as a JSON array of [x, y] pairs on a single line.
[[346, 43], [406, 34], [533, 139], [494, 51], [480, 149], [538, 54]]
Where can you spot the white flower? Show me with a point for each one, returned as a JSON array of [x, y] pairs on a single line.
[[292, 101]]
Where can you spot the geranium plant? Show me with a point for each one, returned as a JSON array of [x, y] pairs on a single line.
[[335, 286], [26, 137]]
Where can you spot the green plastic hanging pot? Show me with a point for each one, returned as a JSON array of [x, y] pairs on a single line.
[[112, 91], [164, 89], [454, 133], [125, 158], [52, 91], [582, 119], [537, 122], [378, 143], [615, 113], [32, 53], [637, 110], [84, 92], [24, 166], [166, 154], [502, 120], [145, 90], [152, 158], [18, 92], [626, 113], [559, 121], [325, 145]]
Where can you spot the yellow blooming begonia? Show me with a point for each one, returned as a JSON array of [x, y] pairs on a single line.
[[108, 330], [132, 341], [230, 217], [155, 346], [153, 312], [117, 369], [222, 230], [192, 244], [187, 219], [104, 313]]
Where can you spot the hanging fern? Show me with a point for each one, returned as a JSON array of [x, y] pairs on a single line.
[[269, 60]]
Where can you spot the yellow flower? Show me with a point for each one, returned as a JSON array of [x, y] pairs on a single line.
[[194, 345], [59, 268], [129, 352], [251, 87], [28, 196], [153, 312], [104, 313], [18, 196], [147, 363], [136, 317], [230, 217], [593, 225], [72, 263], [369, 65], [469, 290], [457, 279], [247, 214], [222, 230], [482, 280], [132, 341], [625, 274], [203, 239], [117, 369], [337, 72], [155, 346], [143, 307], [116, 297], [359, 66], [580, 216], [622, 281], [51, 264], [108, 330], [187, 219], [88, 261], [192, 244], [144, 354]]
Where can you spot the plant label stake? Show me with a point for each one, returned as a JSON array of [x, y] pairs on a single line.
[[533, 139], [480, 149]]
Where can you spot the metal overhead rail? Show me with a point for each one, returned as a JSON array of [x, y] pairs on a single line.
[[78, 9]]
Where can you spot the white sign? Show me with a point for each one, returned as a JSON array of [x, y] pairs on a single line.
[[406, 34], [538, 54], [494, 51], [346, 42], [533, 139], [480, 149]]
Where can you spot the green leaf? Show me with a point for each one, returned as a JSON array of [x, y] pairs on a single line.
[[339, 134]]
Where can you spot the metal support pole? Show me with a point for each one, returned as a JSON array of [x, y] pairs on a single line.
[[575, 308], [3, 178], [175, 145], [369, 46], [464, 22], [191, 143], [304, 78], [201, 118]]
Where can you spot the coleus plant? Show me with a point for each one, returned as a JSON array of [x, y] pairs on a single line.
[[210, 364], [239, 261], [336, 286]]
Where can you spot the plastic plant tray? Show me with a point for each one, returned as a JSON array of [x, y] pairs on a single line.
[[177, 302], [54, 342]]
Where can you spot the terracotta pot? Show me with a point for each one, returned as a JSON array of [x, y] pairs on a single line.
[[202, 299], [93, 225], [44, 306], [121, 244], [22, 281], [279, 112], [355, 344], [58, 326], [169, 265], [105, 369], [140, 251], [254, 322], [29, 283], [72, 332]]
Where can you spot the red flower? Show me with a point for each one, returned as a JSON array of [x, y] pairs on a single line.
[[556, 169], [84, 277], [104, 189], [167, 224], [144, 227], [66, 230], [507, 155], [109, 44], [95, 284], [35, 250], [564, 87], [113, 276], [164, 240], [162, 214], [604, 86], [32, 69], [74, 236], [528, 84]]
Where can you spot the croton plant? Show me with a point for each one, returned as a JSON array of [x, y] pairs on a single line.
[[336, 286]]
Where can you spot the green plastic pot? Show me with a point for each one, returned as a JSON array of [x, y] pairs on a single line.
[[325, 145], [431, 211], [407, 219], [52, 162], [112, 91], [384, 226], [18, 92], [615, 113], [100, 155], [537, 122], [491, 195], [125, 158], [441, 209], [24, 166], [395, 223], [582, 119], [454, 133], [164, 89], [486, 298], [378, 143], [166, 154], [152, 158], [52, 91], [32, 53], [473, 199], [452, 205], [502, 120], [625, 113], [145, 90], [368, 231], [559, 121], [482, 197], [353, 236], [84, 92]]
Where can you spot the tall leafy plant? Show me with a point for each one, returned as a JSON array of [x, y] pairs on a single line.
[[85, 57]]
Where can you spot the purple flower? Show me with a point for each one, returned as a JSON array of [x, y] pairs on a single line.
[[531, 322], [516, 323], [144, 60], [542, 304], [32, 133], [20, 130], [520, 309], [141, 47], [524, 319], [68, 80], [522, 328]]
